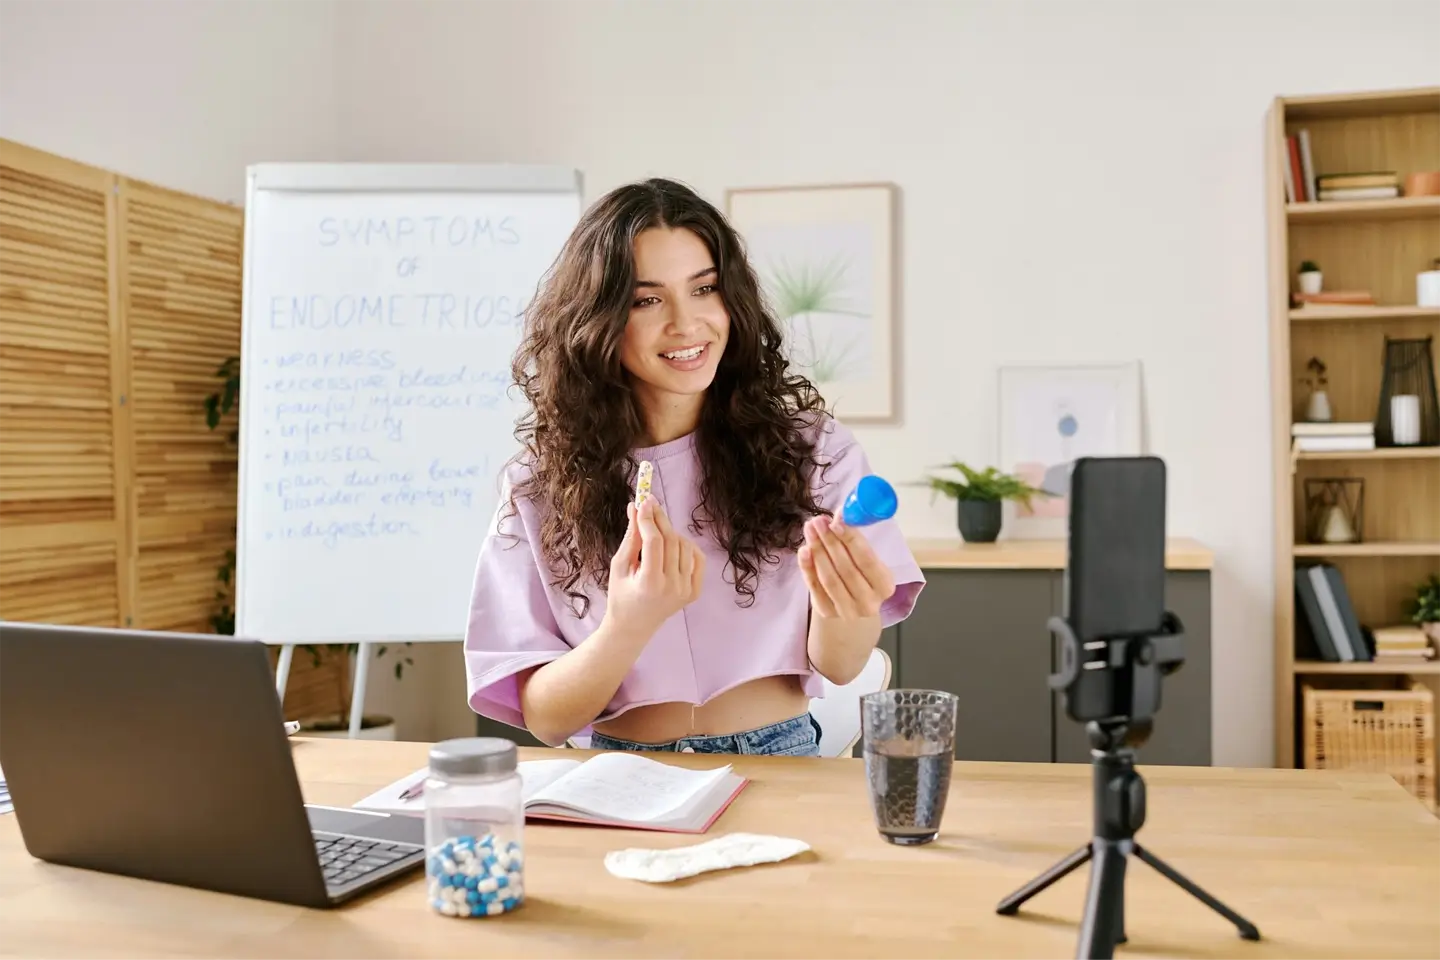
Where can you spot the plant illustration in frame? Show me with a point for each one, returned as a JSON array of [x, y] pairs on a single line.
[[805, 295], [825, 260]]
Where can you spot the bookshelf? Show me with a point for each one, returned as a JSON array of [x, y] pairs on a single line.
[[1319, 314], [1364, 211], [1384, 453], [1377, 245]]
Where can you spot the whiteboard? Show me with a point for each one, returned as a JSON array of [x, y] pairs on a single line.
[[382, 307]]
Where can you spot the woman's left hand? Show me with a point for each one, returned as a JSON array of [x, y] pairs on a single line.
[[846, 579]]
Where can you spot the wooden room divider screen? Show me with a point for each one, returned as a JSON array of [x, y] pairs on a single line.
[[119, 301]]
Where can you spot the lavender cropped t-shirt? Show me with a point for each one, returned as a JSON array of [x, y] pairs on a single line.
[[519, 620]]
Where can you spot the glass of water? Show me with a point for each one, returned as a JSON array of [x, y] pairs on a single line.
[[909, 744]]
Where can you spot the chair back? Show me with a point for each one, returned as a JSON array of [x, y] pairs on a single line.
[[838, 710]]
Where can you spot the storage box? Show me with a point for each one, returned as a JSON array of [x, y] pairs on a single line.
[[1388, 731]]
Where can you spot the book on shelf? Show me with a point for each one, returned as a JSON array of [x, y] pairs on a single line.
[[1377, 185], [1333, 444], [609, 789], [1399, 656], [1357, 181], [1402, 642], [1363, 298], [1333, 428], [1318, 437], [1360, 193], [1327, 619], [1298, 168]]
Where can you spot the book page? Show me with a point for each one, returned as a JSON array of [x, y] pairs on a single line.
[[387, 798], [627, 787], [536, 775], [693, 813]]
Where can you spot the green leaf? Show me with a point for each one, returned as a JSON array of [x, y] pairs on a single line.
[[986, 484], [220, 403], [1426, 605], [797, 293], [809, 288]]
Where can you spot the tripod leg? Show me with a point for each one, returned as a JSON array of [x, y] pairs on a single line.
[[1072, 860], [1247, 929], [1104, 905], [1120, 922]]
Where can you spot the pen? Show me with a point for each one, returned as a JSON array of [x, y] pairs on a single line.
[[413, 791]]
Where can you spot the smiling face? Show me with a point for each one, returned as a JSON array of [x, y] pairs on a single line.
[[678, 325]]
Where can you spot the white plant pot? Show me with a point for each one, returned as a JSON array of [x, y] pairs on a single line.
[[1337, 528], [1318, 409], [1310, 281]]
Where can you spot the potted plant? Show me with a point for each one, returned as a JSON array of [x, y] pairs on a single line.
[[1310, 277], [373, 726], [1426, 612], [979, 497], [1317, 410]]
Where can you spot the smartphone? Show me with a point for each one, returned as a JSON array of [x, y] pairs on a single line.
[[1114, 583], [1115, 575]]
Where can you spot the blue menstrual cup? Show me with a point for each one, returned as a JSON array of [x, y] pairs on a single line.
[[871, 501]]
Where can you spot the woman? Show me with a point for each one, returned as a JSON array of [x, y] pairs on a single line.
[[704, 620]]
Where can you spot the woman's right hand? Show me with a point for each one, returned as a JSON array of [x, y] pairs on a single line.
[[654, 573]]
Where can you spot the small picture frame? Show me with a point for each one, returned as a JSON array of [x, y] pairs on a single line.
[[826, 260], [1050, 417]]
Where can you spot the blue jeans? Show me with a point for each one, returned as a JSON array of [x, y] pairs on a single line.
[[796, 737]]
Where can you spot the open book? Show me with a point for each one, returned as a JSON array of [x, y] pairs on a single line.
[[609, 789]]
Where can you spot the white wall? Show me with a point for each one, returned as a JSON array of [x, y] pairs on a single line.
[[182, 93], [1082, 182]]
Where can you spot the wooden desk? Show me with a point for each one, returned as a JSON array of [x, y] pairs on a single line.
[[1327, 865]]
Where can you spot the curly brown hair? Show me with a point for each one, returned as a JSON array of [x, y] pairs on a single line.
[[756, 439]]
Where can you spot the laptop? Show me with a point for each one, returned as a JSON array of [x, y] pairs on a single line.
[[164, 756]]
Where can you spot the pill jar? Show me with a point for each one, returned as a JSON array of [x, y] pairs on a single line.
[[474, 828]]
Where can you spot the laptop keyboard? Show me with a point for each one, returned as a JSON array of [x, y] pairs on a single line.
[[347, 859]]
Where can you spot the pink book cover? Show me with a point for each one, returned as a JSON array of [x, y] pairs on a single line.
[[622, 825]]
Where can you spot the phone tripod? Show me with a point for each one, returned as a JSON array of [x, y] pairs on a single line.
[[1119, 813]]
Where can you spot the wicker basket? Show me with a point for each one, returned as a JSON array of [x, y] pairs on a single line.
[[1388, 731]]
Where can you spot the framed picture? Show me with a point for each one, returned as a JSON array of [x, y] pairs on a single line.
[[1049, 417], [825, 256]]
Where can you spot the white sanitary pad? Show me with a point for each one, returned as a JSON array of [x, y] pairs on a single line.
[[722, 853]]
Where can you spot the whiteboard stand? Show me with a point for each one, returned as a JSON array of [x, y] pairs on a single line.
[[357, 693], [282, 670], [381, 306]]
